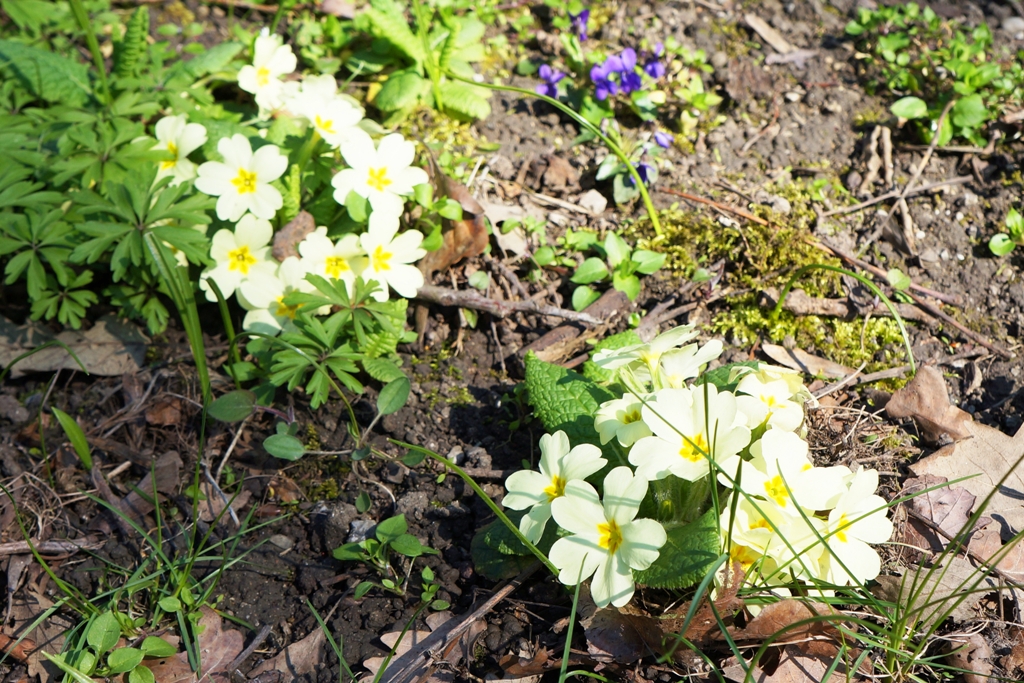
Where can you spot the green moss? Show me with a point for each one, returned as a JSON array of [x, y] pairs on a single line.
[[760, 257]]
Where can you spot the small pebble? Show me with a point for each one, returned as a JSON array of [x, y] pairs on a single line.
[[969, 199], [944, 254], [357, 532], [920, 234], [960, 257], [282, 542], [719, 59], [1013, 25], [959, 216]]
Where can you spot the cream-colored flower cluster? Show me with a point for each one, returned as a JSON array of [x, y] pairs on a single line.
[[243, 182], [782, 518]]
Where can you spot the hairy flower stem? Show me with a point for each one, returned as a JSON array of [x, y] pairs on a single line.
[[678, 501], [82, 16], [614, 148]]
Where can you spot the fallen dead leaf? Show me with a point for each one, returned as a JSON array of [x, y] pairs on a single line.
[[464, 238], [284, 490], [622, 635], [521, 666], [27, 605], [926, 400], [164, 412], [559, 173], [218, 649], [301, 658], [782, 616], [948, 507], [937, 592], [768, 34], [986, 544], [795, 666], [214, 504], [286, 240], [973, 655], [108, 349], [1014, 661], [806, 363]]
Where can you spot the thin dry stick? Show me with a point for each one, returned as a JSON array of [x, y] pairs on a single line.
[[959, 180], [718, 205], [49, 547], [924, 162], [231, 448], [967, 332], [499, 309]]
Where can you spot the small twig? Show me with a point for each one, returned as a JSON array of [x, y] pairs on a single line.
[[718, 205], [256, 642], [560, 203], [49, 547], [231, 448], [967, 332], [499, 309], [959, 180], [220, 494]]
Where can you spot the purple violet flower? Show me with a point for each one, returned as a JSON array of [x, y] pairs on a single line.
[[628, 58], [653, 66], [631, 82], [551, 77], [664, 139], [579, 24], [644, 170], [601, 74]]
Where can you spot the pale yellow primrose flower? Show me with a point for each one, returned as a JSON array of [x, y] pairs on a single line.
[[343, 260], [689, 426], [779, 470], [770, 401], [383, 175], [242, 181], [176, 135], [388, 256], [263, 297], [621, 419], [858, 518], [335, 118], [536, 490], [607, 541], [645, 357], [239, 255], [271, 60], [679, 365]]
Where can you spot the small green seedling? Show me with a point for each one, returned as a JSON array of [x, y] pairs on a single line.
[[625, 264], [391, 537], [1003, 243], [100, 657]]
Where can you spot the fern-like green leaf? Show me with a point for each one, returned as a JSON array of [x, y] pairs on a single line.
[[388, 22], [448, 49], [463, 101], [46, 75], [131, 47]]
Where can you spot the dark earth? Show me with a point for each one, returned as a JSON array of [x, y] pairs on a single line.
[[782, 125]]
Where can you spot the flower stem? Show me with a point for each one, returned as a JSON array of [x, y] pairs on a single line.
[[82, 16], [575, 116]]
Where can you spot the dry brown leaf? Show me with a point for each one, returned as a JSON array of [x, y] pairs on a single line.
[[283, 489], [301, 658], [214, 504], [218, 649], [464, 238], [622, 635], [518, 666], [559, 173], [795, 666], [26, 606], [926, 400], [338, 8], [108, 349], [806, 363], [986, 544], [406, 643], [164, 412], [781, 616], [286, 240], [972, 654], [937, 591], [948, 507], [1014, 661]]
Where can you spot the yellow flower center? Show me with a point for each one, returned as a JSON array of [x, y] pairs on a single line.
[[760, 524], [557, 488], [840, 534], [631, 417], [380, 259], [695, 448], [334, 266], [610, 536], [744, 555], [245, 181], [326, 126], [284, 310], [241, 259], [378, 178], [173, 150], [650, 359], [776, 489], [770, 402], [262, 76]]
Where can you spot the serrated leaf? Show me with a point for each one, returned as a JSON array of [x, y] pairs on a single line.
[[381, 369], [564, 400], [464, 101], [688, 554], [720, 375], [46, 75]]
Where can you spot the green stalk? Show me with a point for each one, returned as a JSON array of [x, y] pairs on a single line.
[[568, 111], [229, 327], [864, 281], [94, 47]]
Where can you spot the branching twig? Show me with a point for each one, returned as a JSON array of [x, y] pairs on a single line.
[[499, 309], [718, 205], [959, 180]]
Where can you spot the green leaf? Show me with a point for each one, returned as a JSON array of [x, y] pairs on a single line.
[[393, 395], [1015, 225], [362, 589], [627, 284], [909, 108], [391, 528], [76, 436], [363, 501], [284, 446], [544, 256], [154, 646], [233, 406], [133, 44], [170, 604], [720, 375], [350, 552], [400, 91], [463, 101], [103, 633], [124, 659], [410, 546], [494, 565], [898, 280], [357, 207], [1001, 244], [450, 209], [970, 112], [45, 74], [480, 280], [595, 373], [141, 674], [388, 22], [648, 262], [591, 270], [616, 248], [564, 400], [691, 549], [583, 296]]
